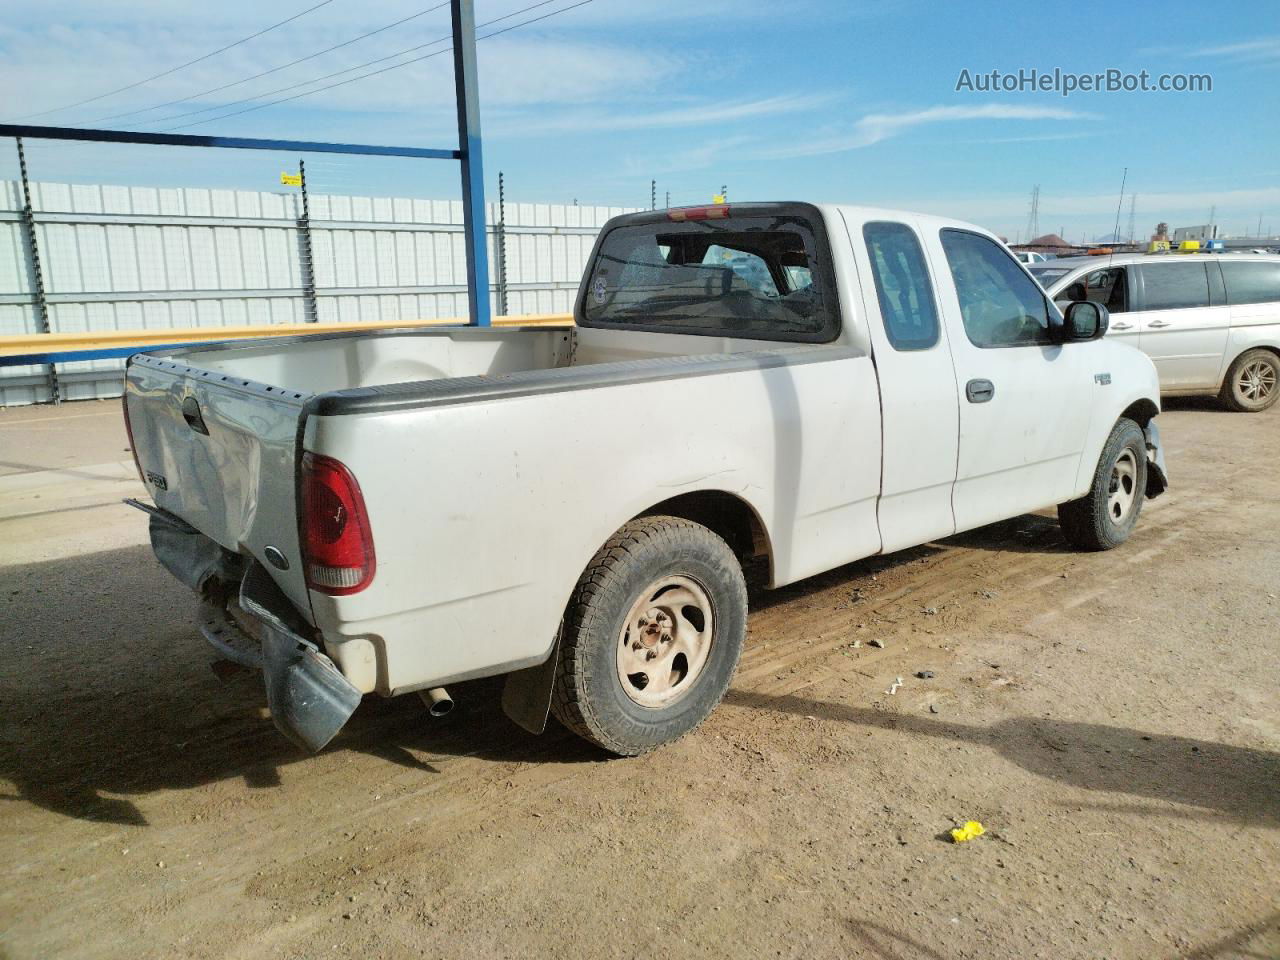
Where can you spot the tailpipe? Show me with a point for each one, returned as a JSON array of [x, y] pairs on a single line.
[[437, 700]]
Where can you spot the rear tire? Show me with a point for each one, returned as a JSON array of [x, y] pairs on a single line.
[[1105, 516], [652, 636], [1253, 382]]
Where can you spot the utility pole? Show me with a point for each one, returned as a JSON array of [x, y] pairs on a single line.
[[1033, 220], [1133, 204], [653, 194], [37, 274], [668, 199], [724, 192], [304, 237]]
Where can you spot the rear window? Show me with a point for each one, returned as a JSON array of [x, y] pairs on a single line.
[[1252, 282], [763, 277]]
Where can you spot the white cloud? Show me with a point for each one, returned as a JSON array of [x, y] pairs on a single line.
[[1262, 49], [696, 115], [877, 127]]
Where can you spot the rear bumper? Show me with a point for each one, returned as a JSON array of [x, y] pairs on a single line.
[[309, 698]]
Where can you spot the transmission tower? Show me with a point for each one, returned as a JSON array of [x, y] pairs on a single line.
[[1133, 204], [1033, 221]]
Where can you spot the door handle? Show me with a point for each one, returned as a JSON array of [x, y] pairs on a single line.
[[1122, 326], [1157, 324], [979, 391]]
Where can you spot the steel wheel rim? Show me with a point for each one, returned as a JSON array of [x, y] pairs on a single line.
[[665, 641], [1256, 382], [1122, 489]]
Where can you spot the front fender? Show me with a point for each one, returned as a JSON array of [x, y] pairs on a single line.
[[1123, 379]]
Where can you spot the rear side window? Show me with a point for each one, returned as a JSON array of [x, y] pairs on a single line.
[[1174, 286], [761, 277], [902, 285], [1251, 282], [1001, 306]]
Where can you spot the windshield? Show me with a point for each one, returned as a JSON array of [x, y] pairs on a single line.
[[756, 277], [1046, 275]]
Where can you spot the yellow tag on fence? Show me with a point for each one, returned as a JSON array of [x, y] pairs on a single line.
[[291, 179]]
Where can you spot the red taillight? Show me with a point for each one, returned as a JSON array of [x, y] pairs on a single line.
[[128, 429], [717, 212], [337, 546]]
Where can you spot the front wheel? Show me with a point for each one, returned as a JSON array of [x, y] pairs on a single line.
[[651, 637], [1253, 382], [1105, 516]]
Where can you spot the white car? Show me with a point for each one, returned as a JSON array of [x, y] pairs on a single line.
[[1211, 323], [795, 385], [1030, 256]]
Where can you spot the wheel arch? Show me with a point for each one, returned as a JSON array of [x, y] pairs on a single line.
[[1142, 411], [725, 514], [1237, 350]]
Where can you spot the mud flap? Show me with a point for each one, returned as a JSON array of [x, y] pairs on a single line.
[[526, 697], [1157, 474]]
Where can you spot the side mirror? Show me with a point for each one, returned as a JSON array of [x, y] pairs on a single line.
[[1084, 320]]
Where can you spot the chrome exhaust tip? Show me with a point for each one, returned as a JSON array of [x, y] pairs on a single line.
[[437, 700]]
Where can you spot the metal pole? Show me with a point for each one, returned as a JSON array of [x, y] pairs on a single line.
[[653, 194], [502, 244], [467, 91], [37, 274], [308, 266]]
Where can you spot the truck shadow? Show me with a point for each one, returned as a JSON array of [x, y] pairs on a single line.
[[1221, 780], [106, 695]]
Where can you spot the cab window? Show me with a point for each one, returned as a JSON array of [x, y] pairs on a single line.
[[902, 285], [1000, 305]]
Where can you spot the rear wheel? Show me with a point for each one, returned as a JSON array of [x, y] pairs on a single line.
[[1253, 383], [652, 636], [1105, 516]]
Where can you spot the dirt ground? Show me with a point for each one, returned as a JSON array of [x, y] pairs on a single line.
[[1112, 719]]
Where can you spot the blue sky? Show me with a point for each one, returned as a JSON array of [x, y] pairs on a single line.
[[845, 102]]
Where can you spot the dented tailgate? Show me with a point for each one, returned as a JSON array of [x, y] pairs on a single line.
[[220, 453]]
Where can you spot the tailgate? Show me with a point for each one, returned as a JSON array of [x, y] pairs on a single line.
[[220, 453]]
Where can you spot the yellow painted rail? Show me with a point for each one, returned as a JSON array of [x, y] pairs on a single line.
[[103, 344]]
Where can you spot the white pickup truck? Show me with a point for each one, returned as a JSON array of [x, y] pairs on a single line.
[[795, 385]]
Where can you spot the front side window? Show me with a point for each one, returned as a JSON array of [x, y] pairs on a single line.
[[902, 285], [1106, 286], [1252, 282], [1000, 305], [1174, 286], [751, 276]]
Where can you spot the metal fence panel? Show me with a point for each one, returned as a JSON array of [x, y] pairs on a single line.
[[119, 258]]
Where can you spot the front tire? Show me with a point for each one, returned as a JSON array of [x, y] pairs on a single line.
[[1105, 516], [652, 636], [1253, 382]]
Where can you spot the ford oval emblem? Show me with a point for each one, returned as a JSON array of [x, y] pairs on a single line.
[[276, 558]]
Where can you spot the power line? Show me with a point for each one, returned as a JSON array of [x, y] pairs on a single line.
[[397, 66], [329, 76], [283, 66], [189, 63]]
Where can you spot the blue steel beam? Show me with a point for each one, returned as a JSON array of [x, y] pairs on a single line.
[[230, 143], [473, 215]]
